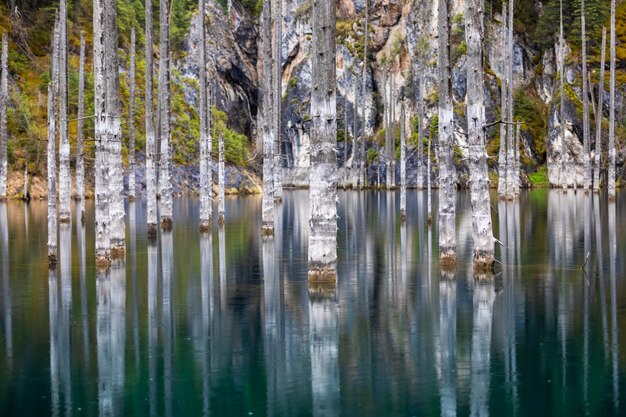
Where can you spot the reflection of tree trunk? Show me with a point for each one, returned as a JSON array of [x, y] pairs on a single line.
[[167, 262], [206, 290], [614, 331], [598, 229], [484, 296], [153, 258], [447, 330], [6, 286], [65, 319]]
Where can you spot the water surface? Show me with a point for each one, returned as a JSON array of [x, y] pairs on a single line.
[[225, 325]]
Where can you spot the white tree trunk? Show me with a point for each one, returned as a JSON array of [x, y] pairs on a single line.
[[510, 156], [586, 134], [482, 233], [64, 141], [429, 189], [598, 150], [611, 169], [354, 163], [562, 97], [4, 102], [362, 176], [25, 190], [277, 97], [80, 147], [52, 134], [151, 184], [220, 183], [103, 219], [516, 171], [131, 121], [165, 183], [266, 119], [205, 142], [114, 127], [420, 129], [503, 111], [447, 180], [483, 299], [402, 165], [392, 133], [323, 173]]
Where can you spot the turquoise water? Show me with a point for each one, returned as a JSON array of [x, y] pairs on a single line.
[[224, 325]]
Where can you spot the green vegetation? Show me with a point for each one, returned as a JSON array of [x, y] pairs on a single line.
[[533, 113], [235, 144], [372, 156], [539, 178]]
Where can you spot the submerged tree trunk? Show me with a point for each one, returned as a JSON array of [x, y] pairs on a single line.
[[151, 183], [116, 172], [220, 183], [165, 184], [205, 140], [80, 147], [447, 186], [278, 73], [4, 102], [611, 169], [562, 97], [502, 165], [64, 141], [103, 219], [266, 118], [323, 175], [586, 134], [482, 233], [362, 180], [402, 166], [131, 121], [52, 133], [598, 150]]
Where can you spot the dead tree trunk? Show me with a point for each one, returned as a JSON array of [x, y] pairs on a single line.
[[116, 178], [268, 136], [562, 97], [447, 183], [420, 128], [323, 173], [80, 147], [482, 233], [362, 180], [586, 134], [402, 165], [278, 74], [64, 141], [502, 171], [151, 183], [354, 165], [52, 134], [103, 219], [165, 184], [510, 156], [611, 169], [131, 121], [205, 141], [4, 102], [220, 182], [598, 150]]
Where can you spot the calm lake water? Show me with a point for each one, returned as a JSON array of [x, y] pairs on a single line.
[[225, 325]]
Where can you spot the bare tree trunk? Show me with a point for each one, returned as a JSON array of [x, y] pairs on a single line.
[[354, 164], [323, 173], [611, 169], [510, 157], [502, 171], [402, 165], [205, 141], [562, 96], [277, 113], [220, 182], [586, 134], [447, 185], [429, 190], [25, 190], [116, 179], [482, 233], [103, 219], [165, 184], [64, 141], [345, 133], [516, 178], [386, 124], [80, 147], [598, 150], [420, 128], [151, 182], [268, 133], [392, 133], [52, 134], [4, 102], [362, 180], [131, 121]]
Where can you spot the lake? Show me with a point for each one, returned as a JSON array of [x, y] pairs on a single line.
[[225, 324]]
